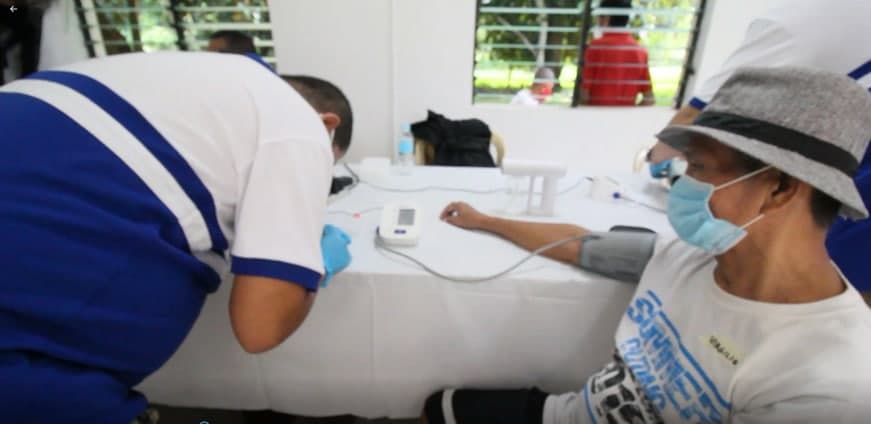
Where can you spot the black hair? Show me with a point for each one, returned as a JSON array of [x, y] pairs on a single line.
[[237, 42], [823, 207], [325, 97], [617, 20]]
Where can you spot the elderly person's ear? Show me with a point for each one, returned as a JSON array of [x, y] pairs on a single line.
[[784, 188]]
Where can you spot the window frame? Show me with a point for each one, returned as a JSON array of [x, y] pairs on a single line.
[[95, 43], [688, 69]]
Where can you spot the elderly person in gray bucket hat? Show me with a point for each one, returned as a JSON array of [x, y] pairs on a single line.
[[744, 318]]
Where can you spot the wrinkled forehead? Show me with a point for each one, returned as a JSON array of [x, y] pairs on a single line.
[[712, 154]]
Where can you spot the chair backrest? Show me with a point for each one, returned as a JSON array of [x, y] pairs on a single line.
[[639, 160], [424, 153], [497, 143]]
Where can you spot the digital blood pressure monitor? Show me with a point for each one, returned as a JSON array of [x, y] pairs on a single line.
[[400, 224]]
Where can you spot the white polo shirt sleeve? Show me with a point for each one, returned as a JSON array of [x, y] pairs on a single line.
[[280, 217], [767, 44], [830, 36], [283, 194]]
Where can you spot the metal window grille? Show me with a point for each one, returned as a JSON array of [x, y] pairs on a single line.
[[123, 26], [515, 37]]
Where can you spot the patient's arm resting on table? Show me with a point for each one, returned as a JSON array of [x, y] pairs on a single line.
[[265, 311], [528, 235], [621, 254]]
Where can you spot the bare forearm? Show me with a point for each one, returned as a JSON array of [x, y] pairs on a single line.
[[533, 235], [265, 311]]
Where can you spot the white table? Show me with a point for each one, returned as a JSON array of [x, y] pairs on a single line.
[[385, 334]]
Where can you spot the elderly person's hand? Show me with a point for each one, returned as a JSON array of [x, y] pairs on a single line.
[[462, 215]]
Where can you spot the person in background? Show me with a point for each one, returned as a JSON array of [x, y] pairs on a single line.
[[744, 318], [615, 70], [832, 36], [228, 41], [135, 194], [541, 90]]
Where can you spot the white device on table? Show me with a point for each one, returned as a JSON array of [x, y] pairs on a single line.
[[400, 224], [549, 172]]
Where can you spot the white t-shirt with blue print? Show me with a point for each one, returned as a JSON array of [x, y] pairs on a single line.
[[688, 352]]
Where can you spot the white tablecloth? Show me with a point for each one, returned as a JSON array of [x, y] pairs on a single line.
[[385, 334]]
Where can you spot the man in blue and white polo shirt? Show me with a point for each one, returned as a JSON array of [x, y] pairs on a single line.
[[130, 185], [825, 35]]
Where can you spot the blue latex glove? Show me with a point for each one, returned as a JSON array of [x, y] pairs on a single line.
[[334, 249]]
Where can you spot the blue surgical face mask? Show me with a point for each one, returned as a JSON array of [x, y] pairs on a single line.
[[690, 215]]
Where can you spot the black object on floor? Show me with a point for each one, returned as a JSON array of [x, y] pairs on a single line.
[[272, 417], [268, 417]]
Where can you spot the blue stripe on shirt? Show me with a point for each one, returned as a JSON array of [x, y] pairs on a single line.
[[296, 274], [695, 363], [698, 103], [257, 58], [99, 286], [861, 71], [151, 139]]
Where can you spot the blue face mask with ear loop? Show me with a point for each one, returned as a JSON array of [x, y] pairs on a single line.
[[690, 215]]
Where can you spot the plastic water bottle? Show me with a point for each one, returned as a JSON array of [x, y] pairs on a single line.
[[406, 150]]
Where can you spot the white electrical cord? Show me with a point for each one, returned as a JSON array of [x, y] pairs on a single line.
[[357, 180], [621, 196], [355, 214], [381, 245], [574, 186], [428, 188]]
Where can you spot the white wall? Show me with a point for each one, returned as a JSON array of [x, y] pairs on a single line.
[[722, 32], [398, 58], [350, 44]]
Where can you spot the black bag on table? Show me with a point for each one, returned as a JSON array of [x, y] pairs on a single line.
[[457, 143]]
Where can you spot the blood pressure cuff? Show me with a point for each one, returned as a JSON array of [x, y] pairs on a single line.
[[621, 253]]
